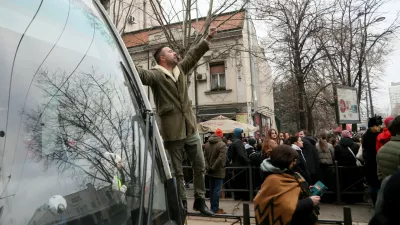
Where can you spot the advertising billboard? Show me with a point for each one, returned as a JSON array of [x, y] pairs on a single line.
[[347, 105]]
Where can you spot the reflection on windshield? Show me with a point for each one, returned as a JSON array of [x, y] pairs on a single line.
[[87, 116], [73, 147], [98, 207]]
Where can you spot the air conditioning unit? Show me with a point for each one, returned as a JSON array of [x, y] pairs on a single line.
[[131, 20], [201, 77]]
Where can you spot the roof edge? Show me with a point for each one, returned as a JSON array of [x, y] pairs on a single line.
[[177, 23]]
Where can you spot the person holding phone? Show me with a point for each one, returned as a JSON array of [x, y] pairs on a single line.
[[285, 194]]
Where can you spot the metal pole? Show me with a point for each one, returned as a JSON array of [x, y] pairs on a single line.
[[153, 168], [143, 180], [369, 87], [251, 184], [338, 193], [252, 64], [246, 214], [347, 216], [366, 100]]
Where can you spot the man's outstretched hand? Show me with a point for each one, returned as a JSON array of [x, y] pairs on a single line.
[[211, 33]]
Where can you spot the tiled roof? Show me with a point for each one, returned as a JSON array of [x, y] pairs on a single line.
[[223, 22]]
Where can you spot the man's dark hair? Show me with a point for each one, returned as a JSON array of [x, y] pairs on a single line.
[[292, 140], [157, 53], [282, 156], [394, 126], [306, 133]]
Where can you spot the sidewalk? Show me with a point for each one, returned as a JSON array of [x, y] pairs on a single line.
[[361, 213]]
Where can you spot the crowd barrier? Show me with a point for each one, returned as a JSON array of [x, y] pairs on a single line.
[[246, 217], [341, 182]]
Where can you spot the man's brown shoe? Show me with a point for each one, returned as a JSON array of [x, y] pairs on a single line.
[[220, 211]]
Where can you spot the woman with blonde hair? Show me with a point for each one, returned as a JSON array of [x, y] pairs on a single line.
[[325, 153], [273, 134]]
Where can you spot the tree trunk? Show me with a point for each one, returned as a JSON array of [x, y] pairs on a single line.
[[300, 95], [310, 120]]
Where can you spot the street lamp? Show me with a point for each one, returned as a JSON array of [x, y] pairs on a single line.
[[380, 19]]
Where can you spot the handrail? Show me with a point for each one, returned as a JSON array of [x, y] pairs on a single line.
[[347, 220]]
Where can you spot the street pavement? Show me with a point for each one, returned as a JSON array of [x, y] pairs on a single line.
[[361, 213]]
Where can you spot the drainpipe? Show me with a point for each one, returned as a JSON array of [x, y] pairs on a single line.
[[252, 65], [148, 67], [144, 15]]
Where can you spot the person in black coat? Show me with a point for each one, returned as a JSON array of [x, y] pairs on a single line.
[[310, 154], [369, 154], [296, 143], [239, 158], [349, 174], [342, 153], [387, 211]]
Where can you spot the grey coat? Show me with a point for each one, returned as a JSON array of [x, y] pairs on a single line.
[[325, 157]]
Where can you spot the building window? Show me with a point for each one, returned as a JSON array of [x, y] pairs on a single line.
[[217, 74]]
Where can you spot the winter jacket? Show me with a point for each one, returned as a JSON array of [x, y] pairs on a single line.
[[383, 138], [388, 203], [256, 158], [215, 157], [388, 157], [238, 152], [311, 139], [342, 154], [369, 151], [249, 149], [170, 92], [304, 206], [325, 157], [310, 153], [302, 167]]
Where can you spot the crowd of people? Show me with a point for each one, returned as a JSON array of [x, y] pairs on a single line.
[[292, 163], [288, 163]]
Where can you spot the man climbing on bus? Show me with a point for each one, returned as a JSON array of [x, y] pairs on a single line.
[[168, 81]]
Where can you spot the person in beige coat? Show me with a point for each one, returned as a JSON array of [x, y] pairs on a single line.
[[168, 82]]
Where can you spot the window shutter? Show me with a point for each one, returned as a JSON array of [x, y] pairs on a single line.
[[217, 68]]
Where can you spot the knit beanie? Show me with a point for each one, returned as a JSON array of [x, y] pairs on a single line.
[[238, 132], [388, 120], [219, 133], [346, 134], [375, 121]]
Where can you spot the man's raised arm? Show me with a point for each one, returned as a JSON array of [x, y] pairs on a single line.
[[195, 53]]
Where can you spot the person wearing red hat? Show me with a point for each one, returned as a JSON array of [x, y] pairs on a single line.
[[215, 158], [385, 136]]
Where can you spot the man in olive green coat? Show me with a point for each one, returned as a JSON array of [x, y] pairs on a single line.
[[215, 156], [177, 121]]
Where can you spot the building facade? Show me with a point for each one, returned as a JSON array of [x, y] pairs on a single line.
[[233, 78], [394, 92]]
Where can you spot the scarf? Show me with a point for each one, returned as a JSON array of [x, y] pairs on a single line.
[[298, 149], [277, 199]]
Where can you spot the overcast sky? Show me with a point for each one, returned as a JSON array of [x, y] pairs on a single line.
[[392, 67]]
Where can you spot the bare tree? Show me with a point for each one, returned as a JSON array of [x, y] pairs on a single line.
[[348, 40], [87, 117], [293, 49]]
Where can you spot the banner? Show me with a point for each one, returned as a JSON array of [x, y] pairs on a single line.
[[347, 105]]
